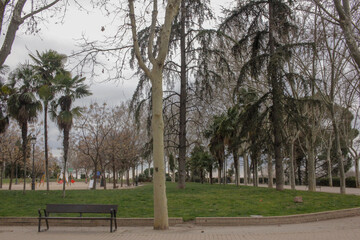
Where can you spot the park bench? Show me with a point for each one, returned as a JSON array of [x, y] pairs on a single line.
[[78, 208]]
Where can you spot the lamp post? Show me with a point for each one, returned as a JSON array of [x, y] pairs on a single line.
[[33, 142]]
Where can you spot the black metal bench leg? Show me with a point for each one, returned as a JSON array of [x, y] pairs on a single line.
[[111, 220], [47, 223], [39, 227], [115, 220]]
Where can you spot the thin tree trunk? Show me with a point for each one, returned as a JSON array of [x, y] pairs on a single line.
[[46, 146], [270, 171], [328, 157], [2, 173], [236, 163], [160, 201], [11, 175], [339, 154], [121, 179], [248, 169], [128, 177], [344, 12], [95, 177], [357, 171], [255, 160], [24, 129], [225, 163], [133, 176], [311, 163], [276, 98], [292, 169], [245, 158], [114, 174], [183, 97], [66, 149], [219, 172], [104, 179]]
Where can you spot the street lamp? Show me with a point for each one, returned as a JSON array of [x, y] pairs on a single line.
[[33, 142]]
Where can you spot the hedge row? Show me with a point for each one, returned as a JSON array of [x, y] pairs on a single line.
[[350, 182]]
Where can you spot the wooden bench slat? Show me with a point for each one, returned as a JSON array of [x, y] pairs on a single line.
[[79, 208]]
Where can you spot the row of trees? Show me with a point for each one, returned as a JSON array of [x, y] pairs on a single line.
[[44, 85], [279, 77], [11, 156]]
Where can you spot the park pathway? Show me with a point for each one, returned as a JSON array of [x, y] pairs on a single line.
[[344, 229], [355, 191]]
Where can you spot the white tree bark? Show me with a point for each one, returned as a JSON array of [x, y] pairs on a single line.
[[155, 75]]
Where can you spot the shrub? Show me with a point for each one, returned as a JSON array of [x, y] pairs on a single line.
[[144, 178], [350, 182]]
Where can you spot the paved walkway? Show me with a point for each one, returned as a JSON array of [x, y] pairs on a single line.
[[355, 191], [57, 186], [344, 229], [82, 185]]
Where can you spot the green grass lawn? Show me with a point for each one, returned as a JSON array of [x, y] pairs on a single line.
[[196, 200]]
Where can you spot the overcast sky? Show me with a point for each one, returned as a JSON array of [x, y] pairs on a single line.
[[62, 37]]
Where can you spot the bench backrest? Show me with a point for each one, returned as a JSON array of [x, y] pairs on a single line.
[[79, 208]]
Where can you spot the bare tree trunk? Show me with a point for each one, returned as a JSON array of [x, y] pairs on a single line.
[[357, 171], [16, 20], [104, 179], [66, 149], [24, 129], [236, 164], [245, 158], [224, 168], [160, 200], [270, 171], [339, 154], [328, 157], [183, 97], [128, 177], [292, 169], [311, 163], [344, 12], [248, 169], [114, 174], [133, 176], [2, 173], [276, 99], [219, 172], [155, 75], [95, 177], [121, 179], [11, 175], [46, 147]]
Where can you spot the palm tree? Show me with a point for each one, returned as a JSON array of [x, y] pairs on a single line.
[[71, 88], [217, 136], [22, 104], [47, 66]]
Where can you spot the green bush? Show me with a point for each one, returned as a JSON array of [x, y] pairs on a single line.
[[144, 178], [168, 178], [350, 182]]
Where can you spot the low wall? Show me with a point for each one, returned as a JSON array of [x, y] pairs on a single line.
[[290, 219], [33, 221]]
